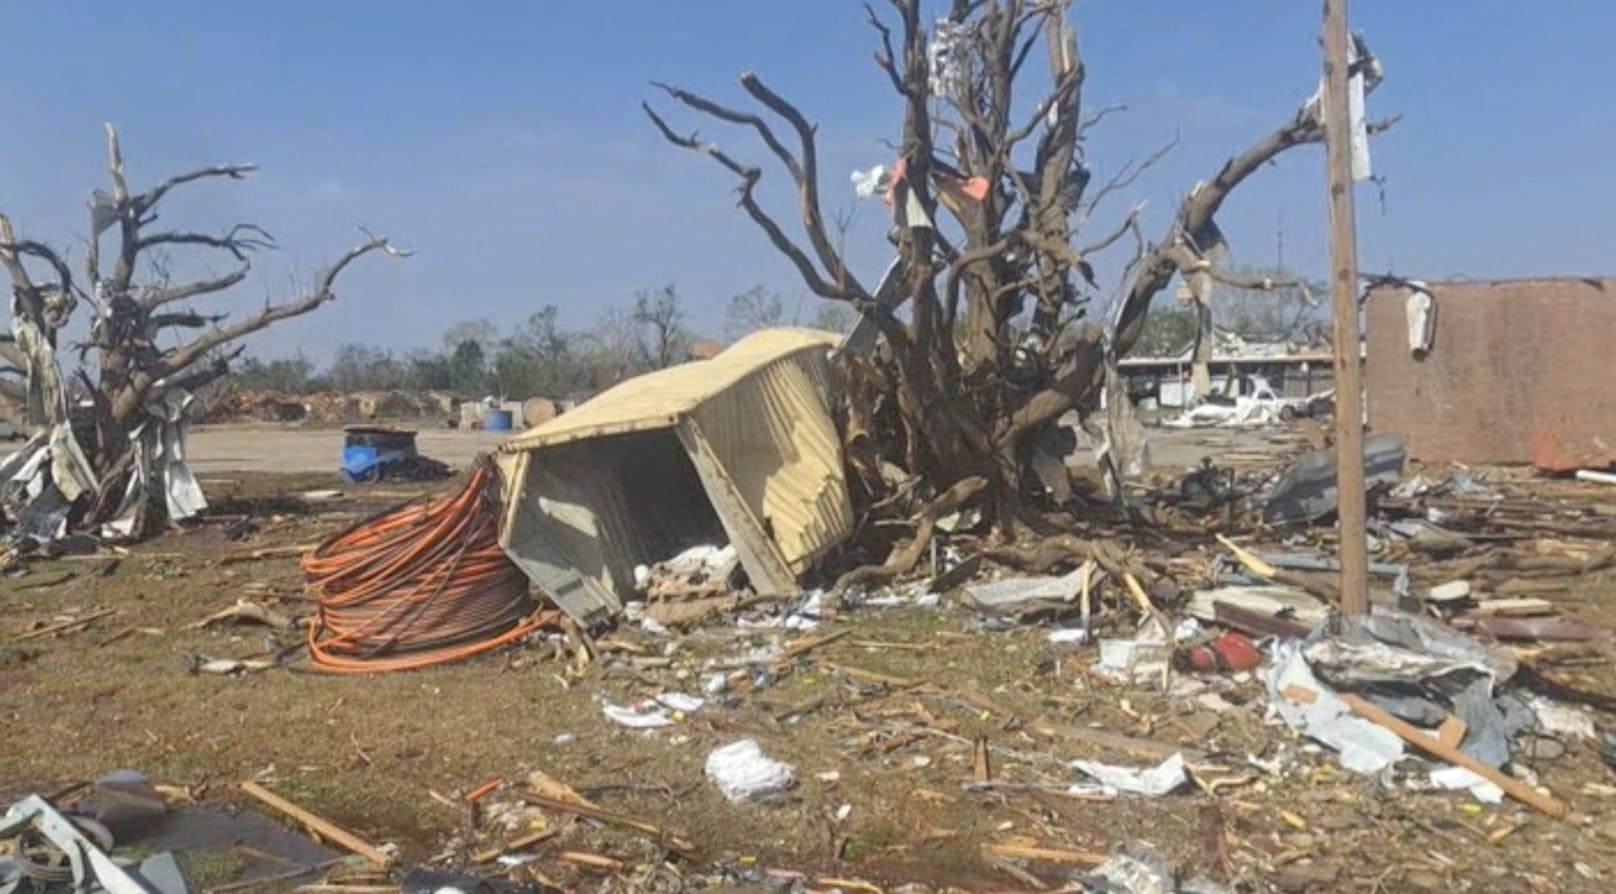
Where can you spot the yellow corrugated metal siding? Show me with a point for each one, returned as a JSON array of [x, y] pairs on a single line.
[[774, 436], [659, 399]]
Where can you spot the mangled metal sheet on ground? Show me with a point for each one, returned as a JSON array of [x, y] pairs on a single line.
[[740, 448]]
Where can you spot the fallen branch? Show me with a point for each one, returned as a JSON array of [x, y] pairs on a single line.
[[1086, 859], [903, 559], [270, 552], [606, 816], [64, 626], [520, 843]]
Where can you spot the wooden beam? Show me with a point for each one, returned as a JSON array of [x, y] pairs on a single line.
[[1349, 455], [318, 825]]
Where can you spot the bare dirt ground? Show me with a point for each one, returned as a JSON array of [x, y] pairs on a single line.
[[269, 448], [881, 724], [288, 450]]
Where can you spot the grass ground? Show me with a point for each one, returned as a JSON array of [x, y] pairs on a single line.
[[895, 761]]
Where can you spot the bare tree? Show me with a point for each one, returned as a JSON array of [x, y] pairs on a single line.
[[123, 363], [659, 321], [754, 309], [1280, 307], [990, 194]]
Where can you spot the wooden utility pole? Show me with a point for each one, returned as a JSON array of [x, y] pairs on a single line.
[[1349, 455]]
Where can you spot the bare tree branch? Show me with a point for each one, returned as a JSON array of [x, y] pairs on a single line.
[[724, 113], [178, 359], [1129, 224], [241, 239], [214, 369], [849, 291], [184, 320], [149, 199], [154, 298], [813, 216], [1195, 219], [884, 58], [1128, 175]]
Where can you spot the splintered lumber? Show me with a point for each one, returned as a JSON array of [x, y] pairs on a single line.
[[1142, 599], [592, 861], [318, 825], [1417, 737], [520, 843], [605, 816], [1087, 859], [269, 552], [65, 626], [803, 646]]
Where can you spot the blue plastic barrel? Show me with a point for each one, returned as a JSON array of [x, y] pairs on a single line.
[[497, 420]]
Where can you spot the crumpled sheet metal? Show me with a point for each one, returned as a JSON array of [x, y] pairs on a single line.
[[1388, 646], [1365, 747], [46, 398], [158, 445], [40, 482], [1019, 595], [1422, 671]]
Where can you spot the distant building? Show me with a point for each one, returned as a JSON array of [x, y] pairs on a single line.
[[1238, 367], [703, 350]]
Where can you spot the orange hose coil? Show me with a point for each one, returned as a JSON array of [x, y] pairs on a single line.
[[422, 584]]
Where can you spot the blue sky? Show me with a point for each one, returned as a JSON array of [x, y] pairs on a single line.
[[503, 140]]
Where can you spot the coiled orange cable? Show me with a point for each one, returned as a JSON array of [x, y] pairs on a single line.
[[422, 584]]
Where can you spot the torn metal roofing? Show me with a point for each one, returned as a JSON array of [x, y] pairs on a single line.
[[659, 399], [741, 448]]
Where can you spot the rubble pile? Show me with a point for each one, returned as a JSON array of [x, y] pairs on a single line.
[[1178, 658], [255, 405]]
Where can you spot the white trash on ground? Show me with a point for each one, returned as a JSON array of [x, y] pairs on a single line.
[[1151, 782], [653, 713], [745, 774]]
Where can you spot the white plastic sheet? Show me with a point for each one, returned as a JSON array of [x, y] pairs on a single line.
[[1365, 747], [745, 774], [1151, 782]]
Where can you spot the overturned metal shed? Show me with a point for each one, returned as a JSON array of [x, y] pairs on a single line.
[[741, 448]]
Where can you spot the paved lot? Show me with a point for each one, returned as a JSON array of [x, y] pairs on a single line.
[[216, 449], [275, 448]]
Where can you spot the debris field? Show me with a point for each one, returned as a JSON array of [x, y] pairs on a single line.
[[974, 729]]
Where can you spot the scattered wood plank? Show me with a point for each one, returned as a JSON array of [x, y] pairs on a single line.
[[320, 826], [245, 610], [64, 626], [1520, 607], [520, 843], [591, 861], [1142, 748], [803, 646], [1452, 731], [606, 816], [556, 790], [1142, 599], [268, 552], [120, 635], [1086, 859], [869, 676], [982, 761], [1417, 737]]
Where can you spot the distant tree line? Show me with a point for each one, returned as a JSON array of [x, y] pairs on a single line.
[[1282, 314], [537, 357]]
